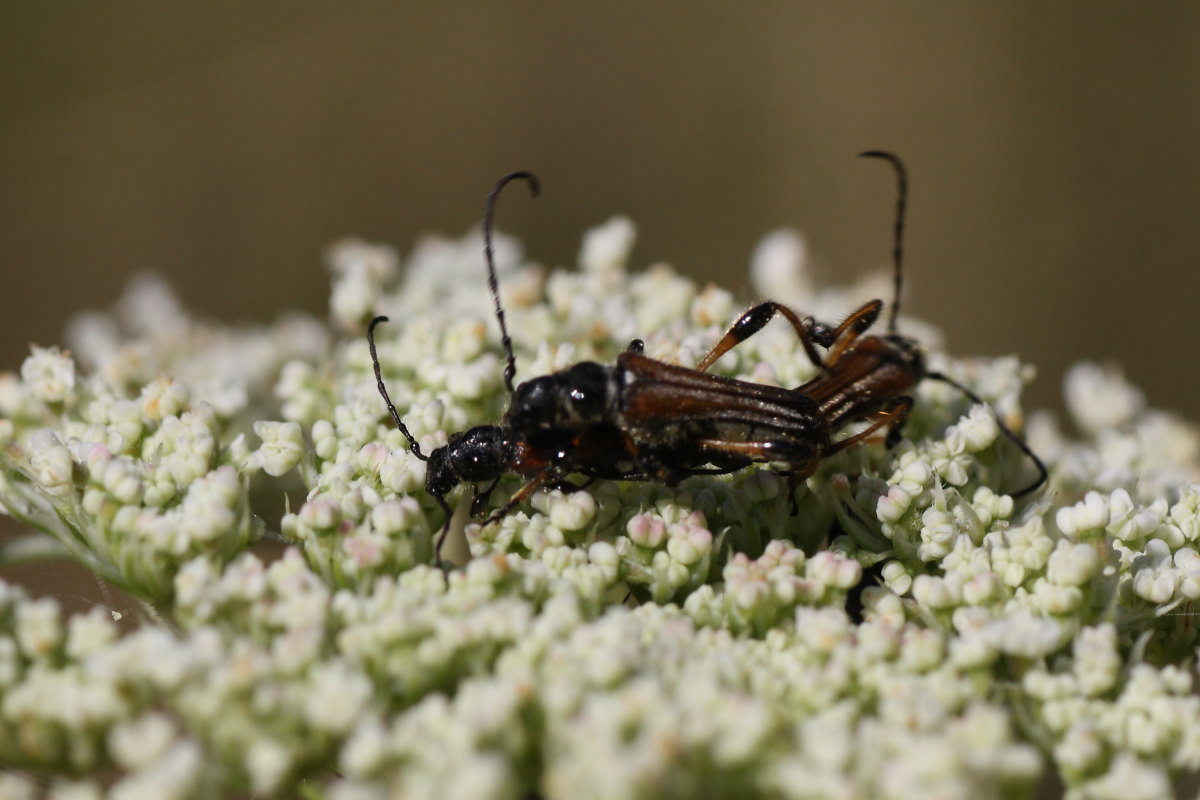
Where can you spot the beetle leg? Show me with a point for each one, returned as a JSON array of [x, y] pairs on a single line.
[[852, 327], [752, 322], [566, 487], [894, 416], [520, 496], [479, 501]]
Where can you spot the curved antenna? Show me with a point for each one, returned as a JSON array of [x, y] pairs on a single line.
[[416, 448], [898, 237], [1037, 462], [489, 212]]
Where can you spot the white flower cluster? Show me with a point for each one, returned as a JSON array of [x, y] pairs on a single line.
[[131, 458], [272, 676], [1097, 715], [900, 627], [149, 334], [1147, 452], [132, 487]]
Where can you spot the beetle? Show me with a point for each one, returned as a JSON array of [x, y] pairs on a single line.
[[644, 419]]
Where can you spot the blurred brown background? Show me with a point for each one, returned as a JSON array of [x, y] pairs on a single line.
[[1053, 152]]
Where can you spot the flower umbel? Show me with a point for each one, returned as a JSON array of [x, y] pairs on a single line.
[[900, 627]]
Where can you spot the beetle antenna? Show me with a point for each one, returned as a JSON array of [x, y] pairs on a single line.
[[898, 237], [1037, 462], [510, 369], [416, 448]]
